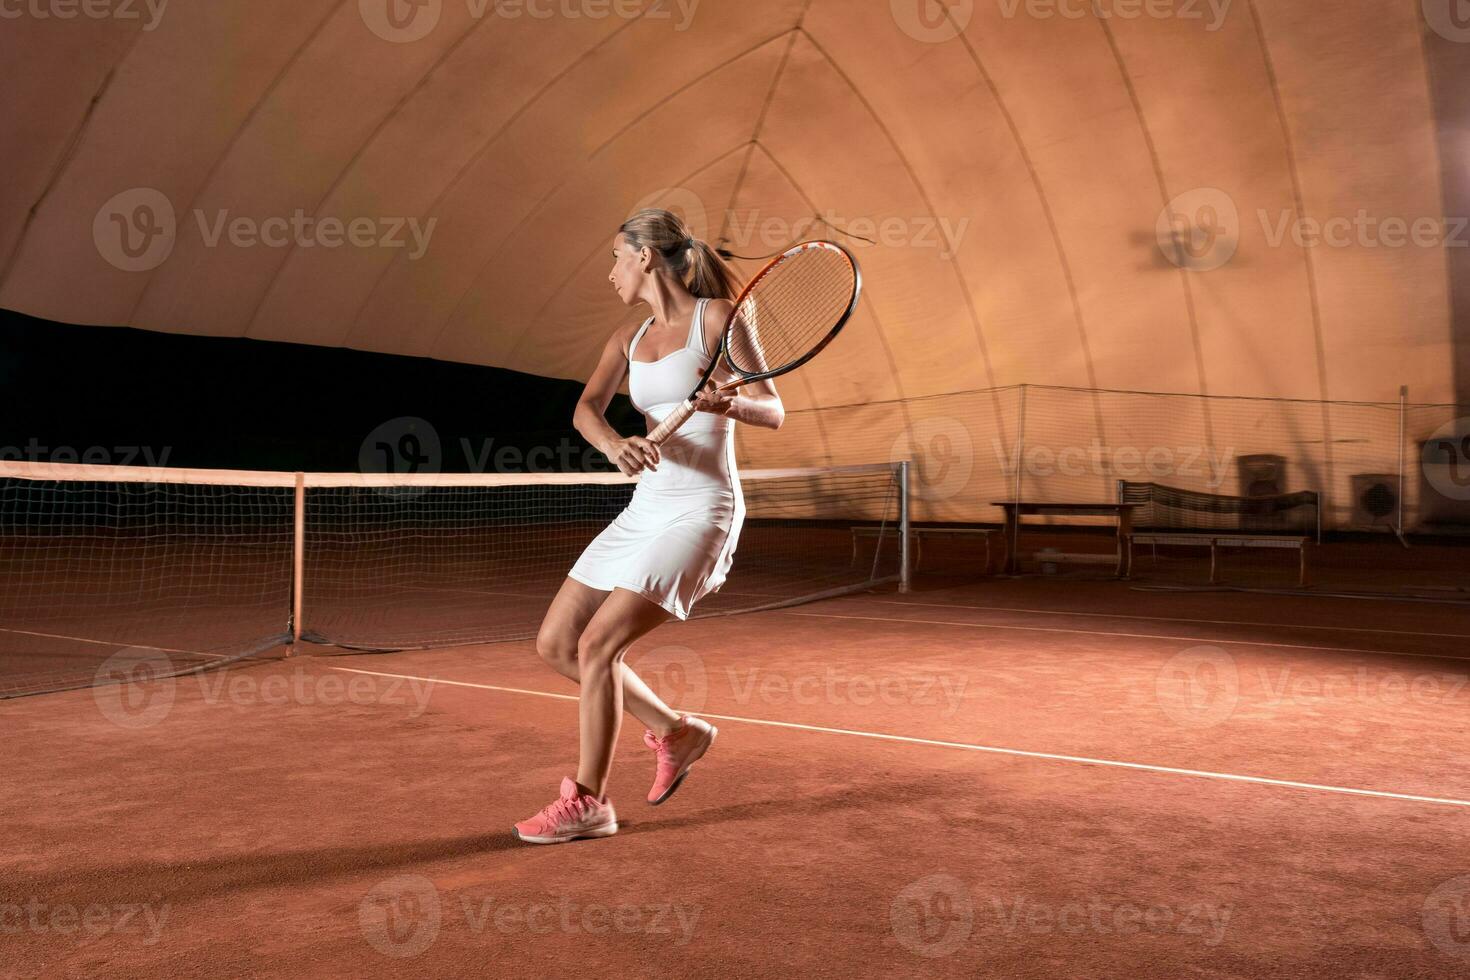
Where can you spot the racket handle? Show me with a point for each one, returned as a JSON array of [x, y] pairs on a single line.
[[671, 422]]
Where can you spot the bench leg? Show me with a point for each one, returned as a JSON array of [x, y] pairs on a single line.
[[1214, 563], [1301, 580], [1013, 545]]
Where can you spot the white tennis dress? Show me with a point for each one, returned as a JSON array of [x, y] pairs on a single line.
[[675, 540]]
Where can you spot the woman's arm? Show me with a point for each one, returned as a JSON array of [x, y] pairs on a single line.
[[633, 454], [757, 404], [761, 408]]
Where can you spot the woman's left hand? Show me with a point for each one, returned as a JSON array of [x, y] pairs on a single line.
[[716, 402]]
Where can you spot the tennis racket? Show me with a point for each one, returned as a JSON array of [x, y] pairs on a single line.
[[782, 319]]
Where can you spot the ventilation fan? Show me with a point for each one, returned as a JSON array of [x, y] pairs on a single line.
[[1261, 475], [1375, 501]]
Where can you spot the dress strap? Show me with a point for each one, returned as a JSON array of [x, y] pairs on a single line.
[[637, 337], [696, 329]]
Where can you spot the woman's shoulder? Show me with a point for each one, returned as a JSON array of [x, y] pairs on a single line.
[[718, 307], [716, 315], [623, 336]]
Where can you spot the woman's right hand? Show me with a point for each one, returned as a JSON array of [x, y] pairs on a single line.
[[633, 455]]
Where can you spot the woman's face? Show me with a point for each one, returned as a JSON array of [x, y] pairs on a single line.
[[626, 271]]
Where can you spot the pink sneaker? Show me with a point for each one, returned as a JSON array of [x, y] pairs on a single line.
[[676, 753], [574, 815]]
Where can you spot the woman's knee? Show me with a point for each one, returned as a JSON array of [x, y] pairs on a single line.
[[556, 647], [597, 648]]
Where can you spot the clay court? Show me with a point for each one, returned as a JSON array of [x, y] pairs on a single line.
[[961, 781]]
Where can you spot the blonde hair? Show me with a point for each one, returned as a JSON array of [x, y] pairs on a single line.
[[698, 266]]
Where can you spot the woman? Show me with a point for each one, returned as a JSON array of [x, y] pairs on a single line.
[[674, 542]]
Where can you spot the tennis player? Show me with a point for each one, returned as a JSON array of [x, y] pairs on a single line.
[[674, 542]]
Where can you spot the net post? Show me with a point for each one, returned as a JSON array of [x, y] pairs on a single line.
[[1020, 451], [1403, 436], [298, 563], [904, 532]]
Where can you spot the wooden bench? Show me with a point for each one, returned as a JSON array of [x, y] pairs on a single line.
[[1122, 512], [1216, 541], [919, 533]]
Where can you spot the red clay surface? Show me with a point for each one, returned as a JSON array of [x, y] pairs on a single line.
[[296, 817]]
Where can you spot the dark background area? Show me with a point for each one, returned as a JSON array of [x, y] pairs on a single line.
[[122, 396]]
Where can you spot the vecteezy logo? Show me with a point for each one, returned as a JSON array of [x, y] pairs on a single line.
[[681, 201], [134, 688], [1199, 687], [1446, 917], [1199, 230], [1450, 19], [677, 675], [135, 231], [401, 21], [403, 445], [400, 917], [943, 455], [1446, 459], [932, 916], [932, 21]]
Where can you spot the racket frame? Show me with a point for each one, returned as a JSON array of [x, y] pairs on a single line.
[[681, 414]]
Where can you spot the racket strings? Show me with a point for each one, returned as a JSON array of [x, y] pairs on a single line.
[[791, 310]]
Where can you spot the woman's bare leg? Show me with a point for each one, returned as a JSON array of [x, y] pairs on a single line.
[[572, 609], [621, 619]]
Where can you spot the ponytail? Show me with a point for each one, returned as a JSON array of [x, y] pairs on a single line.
[[712, 277], [700, 268]]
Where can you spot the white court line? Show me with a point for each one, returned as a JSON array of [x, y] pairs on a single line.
[[112, 643], [992, 749], [478, 592], [434, 590], [1131, 636], [1175, 619]]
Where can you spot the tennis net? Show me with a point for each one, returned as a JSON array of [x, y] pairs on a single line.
[[200, 568], [1171, 508]]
